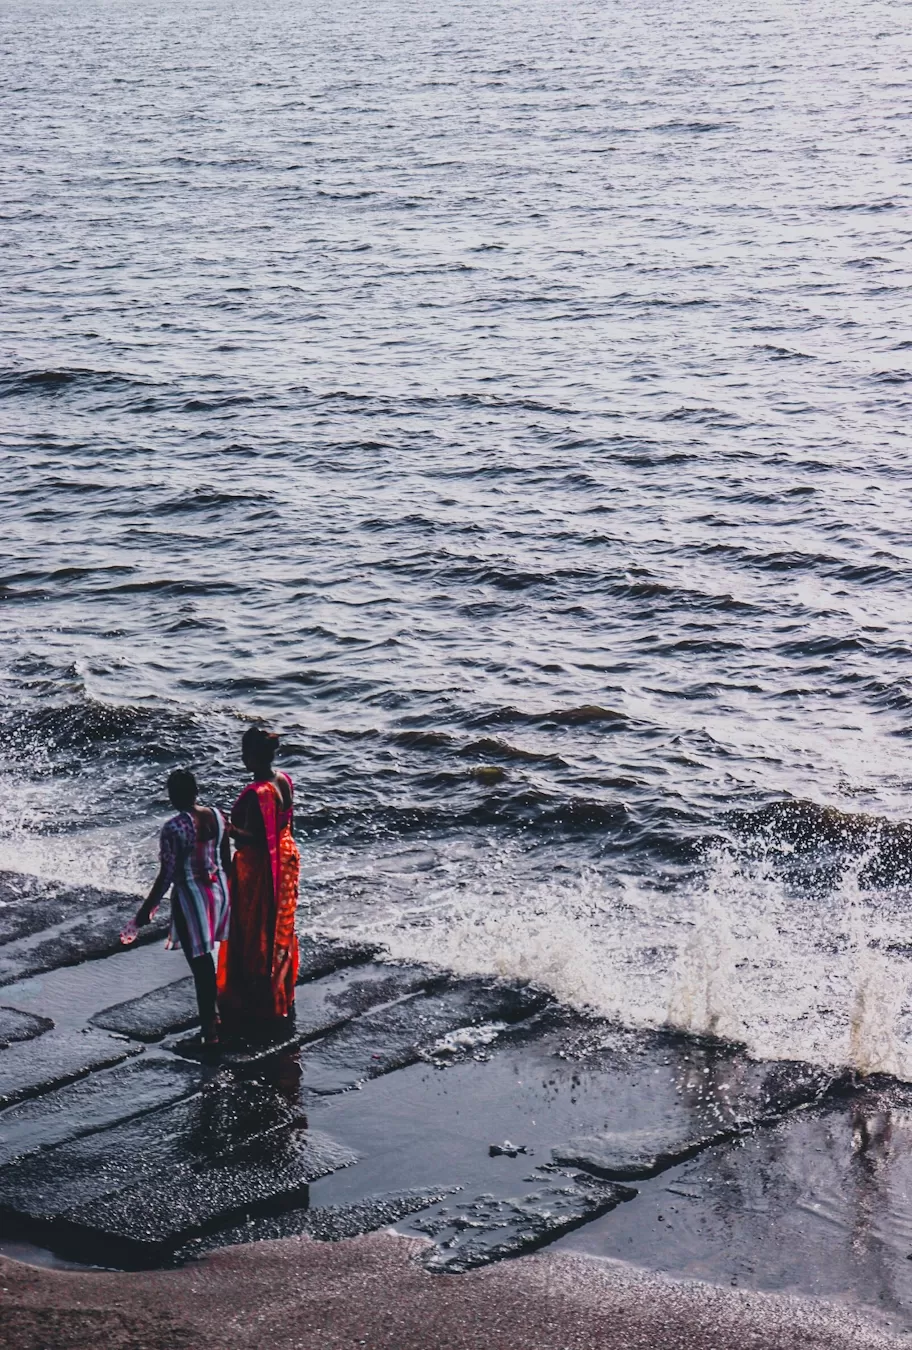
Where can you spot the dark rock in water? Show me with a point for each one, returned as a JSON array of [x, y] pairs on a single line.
[[90, 929], [320, 956], [332, 1223], [219, 1123], [147, 1220], [28, 1069], [153, 1015], [394, 1037], [21, 1026], [321, 1005], [326, 1004], [94, 1103], [634, 1155], [480, 1231], [506, 1150], [744, 1094]]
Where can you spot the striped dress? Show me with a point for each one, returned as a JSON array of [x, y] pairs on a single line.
[[193, 867]]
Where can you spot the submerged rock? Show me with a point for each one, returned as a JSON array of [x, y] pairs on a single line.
[[396, 1036], [635, 1154], [487, 1229], [742, 1095]]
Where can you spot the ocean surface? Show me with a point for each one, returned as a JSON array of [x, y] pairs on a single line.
[[508, 403]]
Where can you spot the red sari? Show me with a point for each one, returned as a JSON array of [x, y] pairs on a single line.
[[258, 965]]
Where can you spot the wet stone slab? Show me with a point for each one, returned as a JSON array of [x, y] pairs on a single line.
[[754, 1094], [319, 955], [94, 1103], [146, 1221], [321, 1005], [393, 1037], [329, 1003], [30, 1068], [332, 1223], [221, 1121], [152, 1016], [472, 1233], [87, 933], [21, 1026]]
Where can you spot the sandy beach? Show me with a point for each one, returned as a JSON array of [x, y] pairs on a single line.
[[297, 1294]]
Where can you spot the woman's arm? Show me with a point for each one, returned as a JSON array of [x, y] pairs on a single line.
[[246, 821], [225, 850], [168, 864], [151, 902]]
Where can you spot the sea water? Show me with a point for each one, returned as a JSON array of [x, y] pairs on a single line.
[[508, 403]]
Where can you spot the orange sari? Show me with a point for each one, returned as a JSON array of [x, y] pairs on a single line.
[[258, 965]]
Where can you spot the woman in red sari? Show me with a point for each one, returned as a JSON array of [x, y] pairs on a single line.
[[258, 965]]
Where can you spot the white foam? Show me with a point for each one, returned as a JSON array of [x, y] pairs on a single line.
[[736, 954]]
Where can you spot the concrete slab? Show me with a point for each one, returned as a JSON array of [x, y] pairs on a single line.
[[393, 1037], [30, 1068], [95, 1103]]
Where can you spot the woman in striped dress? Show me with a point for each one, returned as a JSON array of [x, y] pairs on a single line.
[[195, 855]]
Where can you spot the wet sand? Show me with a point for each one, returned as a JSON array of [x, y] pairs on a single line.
[[296, 1294]]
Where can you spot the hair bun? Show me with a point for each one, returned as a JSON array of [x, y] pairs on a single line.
[[259, 742]]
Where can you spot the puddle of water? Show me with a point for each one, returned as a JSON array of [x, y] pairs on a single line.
[[31, 1255], [819, 1205]]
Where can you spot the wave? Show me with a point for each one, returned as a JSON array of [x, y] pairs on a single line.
[[15, 383], [583, 715], [802, 831]]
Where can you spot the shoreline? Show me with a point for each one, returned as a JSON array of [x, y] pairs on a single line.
[[371, 1292], [394, 1106]]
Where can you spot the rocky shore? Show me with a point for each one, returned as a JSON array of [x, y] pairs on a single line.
[[481, 1119]]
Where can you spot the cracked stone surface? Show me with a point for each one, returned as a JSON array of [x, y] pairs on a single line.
[[476, 1232], [331, 1223]]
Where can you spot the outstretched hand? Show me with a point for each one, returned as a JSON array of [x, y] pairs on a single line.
[[144, 915]]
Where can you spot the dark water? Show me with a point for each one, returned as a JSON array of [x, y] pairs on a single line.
[[507, 403]]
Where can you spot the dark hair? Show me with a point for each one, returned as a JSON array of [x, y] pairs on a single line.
[[182, 789], [259, 744]]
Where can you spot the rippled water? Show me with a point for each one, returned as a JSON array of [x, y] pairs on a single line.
[[507, 402]]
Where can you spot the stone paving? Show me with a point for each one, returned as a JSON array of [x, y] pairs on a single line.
[[122, 1145]]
